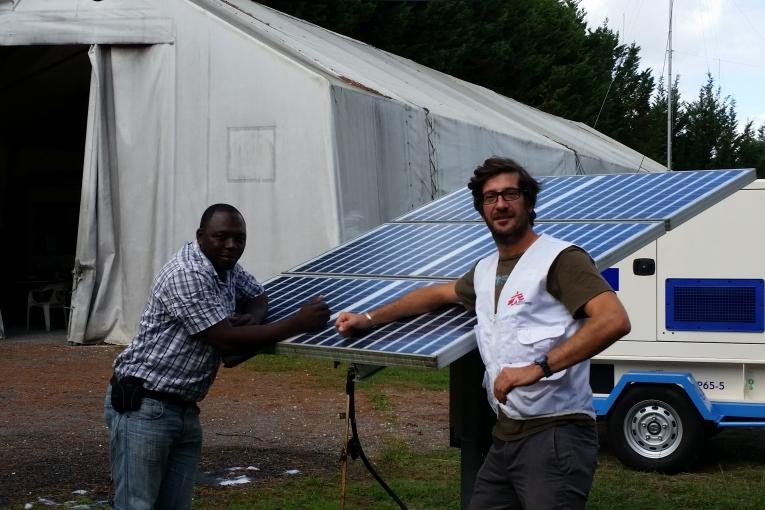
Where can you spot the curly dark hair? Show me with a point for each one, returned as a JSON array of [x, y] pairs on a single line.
[[496, 165]]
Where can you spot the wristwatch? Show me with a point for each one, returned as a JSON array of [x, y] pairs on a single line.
[[542, 362]]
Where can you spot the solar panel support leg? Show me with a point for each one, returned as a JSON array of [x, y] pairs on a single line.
[[470, 419], [352, 446]]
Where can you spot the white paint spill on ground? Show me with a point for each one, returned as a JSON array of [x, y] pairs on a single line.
[[292, 472], [239, 480], [70, 505]]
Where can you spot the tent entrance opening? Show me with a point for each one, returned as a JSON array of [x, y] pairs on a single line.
[[42, 138]]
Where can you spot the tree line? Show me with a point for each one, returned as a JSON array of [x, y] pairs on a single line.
[[543, 54]]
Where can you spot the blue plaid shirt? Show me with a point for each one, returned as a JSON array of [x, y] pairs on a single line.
[[187, 297]]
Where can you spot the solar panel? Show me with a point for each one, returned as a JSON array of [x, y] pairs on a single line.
[[447, 251], [432, 340], [672, 197], [610, 216]]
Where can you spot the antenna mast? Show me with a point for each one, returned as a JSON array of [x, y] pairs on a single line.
[[669, 92]]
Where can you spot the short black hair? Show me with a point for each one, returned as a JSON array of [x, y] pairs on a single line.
[[496, 165], [215, 208]]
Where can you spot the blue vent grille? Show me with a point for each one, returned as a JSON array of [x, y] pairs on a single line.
[[715, 305]]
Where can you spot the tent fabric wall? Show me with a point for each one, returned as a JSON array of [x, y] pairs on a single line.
[[386, 167], [83, 22], [461, 147], [288, 198], [382, 159], [123, 224]]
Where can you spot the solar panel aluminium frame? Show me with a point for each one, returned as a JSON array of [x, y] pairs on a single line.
[[459, 348]]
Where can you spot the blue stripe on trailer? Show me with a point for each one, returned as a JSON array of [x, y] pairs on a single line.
[[603, 405], [723, 414]]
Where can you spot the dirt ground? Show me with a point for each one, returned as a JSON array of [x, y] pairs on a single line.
[[53, 440]]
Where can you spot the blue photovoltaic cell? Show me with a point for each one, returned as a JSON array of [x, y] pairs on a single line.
[[431, 340], [405, 250], [634, 197], [613, 197], [607, 243], [449, 250], [456, 206], [288, 293]]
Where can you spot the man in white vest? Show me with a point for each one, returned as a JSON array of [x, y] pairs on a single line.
[[543, 311]]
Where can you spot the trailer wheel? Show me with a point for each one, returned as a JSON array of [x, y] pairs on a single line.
[[656, 428]]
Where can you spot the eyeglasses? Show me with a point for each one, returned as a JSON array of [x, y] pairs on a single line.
[[508, 194]]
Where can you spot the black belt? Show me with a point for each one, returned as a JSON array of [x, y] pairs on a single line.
[[169, 398]]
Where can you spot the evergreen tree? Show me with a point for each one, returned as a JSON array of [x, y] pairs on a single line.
[[625, 112], [708, 138], [750, 149]]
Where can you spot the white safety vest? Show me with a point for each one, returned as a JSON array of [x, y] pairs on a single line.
[[528, 323]]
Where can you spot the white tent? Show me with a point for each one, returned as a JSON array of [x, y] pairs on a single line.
[[315, 137]]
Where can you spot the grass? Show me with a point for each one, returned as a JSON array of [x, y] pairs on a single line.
[[409, 378], [431, 479], [328, 376], [380, 402], [724, 486], [421, 480]]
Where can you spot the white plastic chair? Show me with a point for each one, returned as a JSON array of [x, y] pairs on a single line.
[[50, 296]]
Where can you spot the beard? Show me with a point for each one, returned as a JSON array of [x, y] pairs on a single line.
[[511, 234]]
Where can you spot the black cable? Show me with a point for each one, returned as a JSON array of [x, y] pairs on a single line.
[[354, 445]]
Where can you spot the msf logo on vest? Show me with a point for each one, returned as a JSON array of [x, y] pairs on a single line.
[[516, 299]]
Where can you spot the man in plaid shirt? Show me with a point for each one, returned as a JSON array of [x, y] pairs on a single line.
[[203, 307]]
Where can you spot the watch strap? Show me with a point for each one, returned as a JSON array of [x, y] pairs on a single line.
[[542, 362]]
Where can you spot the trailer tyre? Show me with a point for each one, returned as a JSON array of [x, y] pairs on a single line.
[[656, 428]]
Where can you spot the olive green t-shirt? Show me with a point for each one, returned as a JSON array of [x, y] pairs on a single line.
[[573, 280]]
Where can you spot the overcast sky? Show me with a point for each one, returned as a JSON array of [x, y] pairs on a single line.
[[723, 37]]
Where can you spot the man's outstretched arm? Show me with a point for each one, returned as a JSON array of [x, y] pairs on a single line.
[[416, 302], [229, 339]]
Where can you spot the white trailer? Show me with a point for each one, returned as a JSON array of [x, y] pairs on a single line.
[[695, 360]]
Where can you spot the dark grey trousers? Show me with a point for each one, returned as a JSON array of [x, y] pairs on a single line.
[[552, 469]]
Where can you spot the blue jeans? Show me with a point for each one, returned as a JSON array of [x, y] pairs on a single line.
[[154, 453]]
